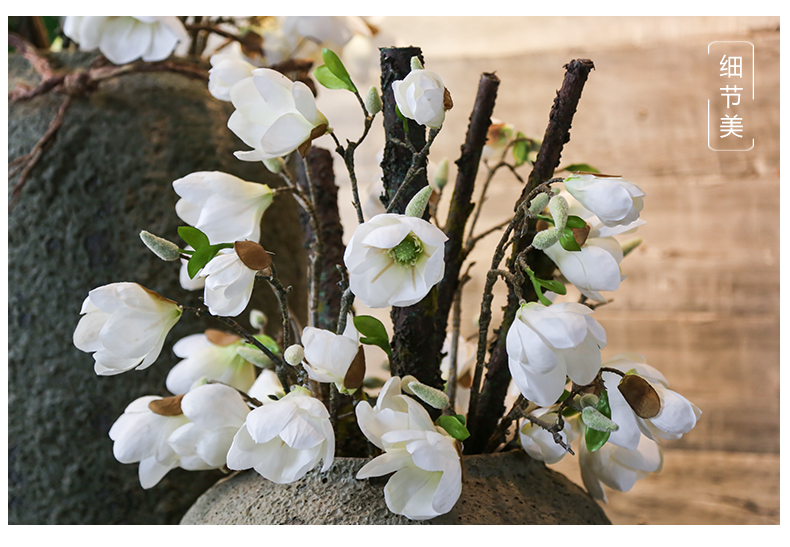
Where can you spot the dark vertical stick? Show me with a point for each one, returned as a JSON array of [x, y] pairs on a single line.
[[325, 191], [497, 379]]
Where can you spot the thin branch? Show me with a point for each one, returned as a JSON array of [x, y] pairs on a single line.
[[414, 169]]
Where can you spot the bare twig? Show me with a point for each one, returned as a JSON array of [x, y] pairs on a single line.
[[414, 169]]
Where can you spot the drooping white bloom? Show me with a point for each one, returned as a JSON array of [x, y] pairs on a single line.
[[124, 39], [394, 411], [224, 207], [539, 443], [328, 355], [467, 353], [124, 325], [216, 413], [595, 268], [274, 115], [426, 462], [616, 467], [140, 435], [546, 344], [283, 440], [229, 284], [228, 67], [213, 360], [677, 415], [614, 200], [394, 260], [420, 97]]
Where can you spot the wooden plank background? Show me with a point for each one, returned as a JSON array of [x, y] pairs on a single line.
[[701, 300]]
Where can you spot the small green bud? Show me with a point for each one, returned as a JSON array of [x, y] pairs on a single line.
[[593, 419], [164, 249], [416, 64], [254, 356], [372, 101], [630, 245], [441, 174], [546, 238], [419, 202], [538, 203], [275, 165], [588, 399], [294, 355], [432, 396], [558, 206], [258, 319]]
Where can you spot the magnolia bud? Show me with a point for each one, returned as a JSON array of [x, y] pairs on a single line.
[[432, 396], [597, 421], [416, 206], [164, 249], [538, 203], [294, 355], [275, 165], [404, 384], [372, 101], [416, 64], [258, 319], [441, 174], [558, 206], [546, 238], [254, 356], [630, 245], [588, 399]]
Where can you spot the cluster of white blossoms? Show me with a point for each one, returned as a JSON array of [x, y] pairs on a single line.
[[230, 410]]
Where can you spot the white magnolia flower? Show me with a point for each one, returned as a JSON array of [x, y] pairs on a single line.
[[140, 435], [124, 325], [467, 355], [618, 468], [677, 415], [393, 412], [224, 207], [327, 356], [539, 443], [187, 283], [229, 284], [216, 413], [228, 67], [497, 139], [124, 39], [265, 385], [614, 200], [212, 357], [394, 260], [597, 228], [274, 115], [546, 344], [283, 440], [595, 268], [426, 462], [420, 97]]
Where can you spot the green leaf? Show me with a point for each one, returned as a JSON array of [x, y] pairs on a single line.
[[596, 439], [575, 222], [521, 149], [373, 332], [194, 237], [536, 285], [329, 80], [579, 167], [567, 240], [335, 66], [553, 285], [453, 426], [201, 257]]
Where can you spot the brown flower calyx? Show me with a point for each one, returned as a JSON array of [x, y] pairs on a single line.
[[168, 406], [580, 234], [252, 255], [356, 371], [495, 133], [640, 396], [221, 338], [155, 295], [317, 131], [448, 100]]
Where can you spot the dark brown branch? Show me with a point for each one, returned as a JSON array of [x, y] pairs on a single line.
[[497, 379]]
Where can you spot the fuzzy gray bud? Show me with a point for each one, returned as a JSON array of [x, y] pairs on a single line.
[[558, 206], [432, 396], [538, 203], [597, 421], [164, 249], [294, 355], [546, 238], [419, 202], [372, 101]]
